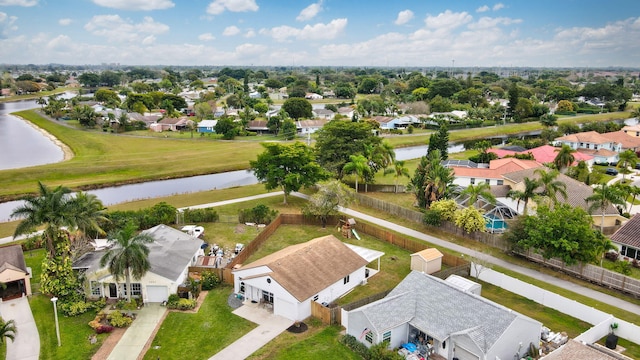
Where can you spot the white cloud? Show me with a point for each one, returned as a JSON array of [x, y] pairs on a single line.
[[310, 11], [447, 20], [482, 8], [404, 17], [145, 5], [59, 43], [7, 24], [498, 6], [318, 31], [219, 6], [231, 31], [250, 49], [64, 22], [250, 33], [25, 3], [117, 29], [489, 22], [206, 37]]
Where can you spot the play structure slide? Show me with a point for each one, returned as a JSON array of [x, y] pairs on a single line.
[[355, 234]]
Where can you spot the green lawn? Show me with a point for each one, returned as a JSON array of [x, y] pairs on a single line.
[[203, 334]]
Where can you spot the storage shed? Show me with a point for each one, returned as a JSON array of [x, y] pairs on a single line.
[[427, 261]]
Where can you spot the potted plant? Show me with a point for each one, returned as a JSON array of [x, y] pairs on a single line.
[[612, 339]]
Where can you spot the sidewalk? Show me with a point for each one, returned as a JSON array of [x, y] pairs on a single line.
[[26, 346], [135, 338], [269, 327]]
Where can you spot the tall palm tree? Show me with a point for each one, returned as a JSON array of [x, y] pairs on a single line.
[[438, 182], [529, 191], [479, 190], [550, 185], [7, 330], [565, 158], [89, 213], [603, 196], [130, 255], [626, 159], [51, 208], [634, 191], [398, 171], [359, 165]]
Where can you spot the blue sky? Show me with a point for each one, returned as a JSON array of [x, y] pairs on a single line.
[[541, 33]]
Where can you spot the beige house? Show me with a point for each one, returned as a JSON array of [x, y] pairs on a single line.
[[633, 130], [14, 272], [427, 261]]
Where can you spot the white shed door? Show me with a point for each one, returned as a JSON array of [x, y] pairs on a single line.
[[464, 354], [157, 293]]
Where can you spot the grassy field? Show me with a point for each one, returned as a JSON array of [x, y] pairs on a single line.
[[103, 159], [200, 334]]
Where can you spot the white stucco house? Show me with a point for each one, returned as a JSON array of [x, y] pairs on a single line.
[[602, 148], [170, 254], [320, 270], [440, 318]]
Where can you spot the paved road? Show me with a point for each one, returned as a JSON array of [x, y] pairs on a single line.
[[26, 345]]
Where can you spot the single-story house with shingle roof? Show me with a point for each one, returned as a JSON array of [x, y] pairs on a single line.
[[170, 254], [319, 270], [627, 238], [207, 126], [440, 318], [310, 126], [14, 272], [324, 114]]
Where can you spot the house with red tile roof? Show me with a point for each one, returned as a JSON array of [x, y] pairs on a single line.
[[543, 154]]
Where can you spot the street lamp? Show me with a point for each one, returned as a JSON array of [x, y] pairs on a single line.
[[55, 313]]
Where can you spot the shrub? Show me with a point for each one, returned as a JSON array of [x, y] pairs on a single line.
[[209, 280], [99, 304], [182, 304], [118, 319], [172, 302], [432, 217], [446, 207], [260, 214], [74, 308], [355, 346], [470, 219], [410, 129], [104, 329], [123, 304], [623, 267], [200, 215], [32, 243]]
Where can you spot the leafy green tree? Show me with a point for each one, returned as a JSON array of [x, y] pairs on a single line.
[[483, 156], [337, 140], [440, 141], [565, 105], [129, 256], [261, 108], [298, 108], [359, 166], [562, 232], [470, 220], [420, 93], [7, 330], [289, 167], [288, 130], [514, 97], [603, 197], [89, 79], [564, 158], [203, 110], [331, 195], [57, 276], [345, 90], [479, 190], [446, 208], [548, 120], [109, 78], [227, 127], [580, 172]]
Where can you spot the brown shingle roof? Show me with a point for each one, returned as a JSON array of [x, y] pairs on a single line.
[[629, 233], [577, 191], [574, 350], [306, 269], [11, 257]]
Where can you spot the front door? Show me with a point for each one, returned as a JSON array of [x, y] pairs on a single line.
[[113, 290]]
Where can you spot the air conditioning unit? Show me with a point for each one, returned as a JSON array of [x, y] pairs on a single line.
[[364, 282]]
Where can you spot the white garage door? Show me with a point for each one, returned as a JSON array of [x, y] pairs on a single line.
[[464, 354], [157, 293]]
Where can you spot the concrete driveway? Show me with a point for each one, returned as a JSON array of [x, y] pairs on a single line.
[[26, 346]]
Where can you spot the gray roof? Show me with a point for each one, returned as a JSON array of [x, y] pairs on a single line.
[[169, 253], [11, 257], [439, 309], [459, 163], [629, 233]]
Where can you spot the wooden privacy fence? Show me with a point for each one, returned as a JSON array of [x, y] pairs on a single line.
[[327, 315], [255, 244], [224, 274]]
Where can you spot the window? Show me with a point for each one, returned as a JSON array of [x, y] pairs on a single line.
[[135, 289], [472, 181], [500, 182], [487, 181], [96, 289], [386, 336], [369, 337], [346, 279], [267, 297]]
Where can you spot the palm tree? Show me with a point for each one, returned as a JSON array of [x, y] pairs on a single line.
[[634, 191], [604, 196], [52, 208], [565, 158], [130, 255], [530, 186], [482, 190], [359, 165], [550, 185], [438, 182], [42, 102], [89, 213], [626, 159], [7, 330], [398, 171]]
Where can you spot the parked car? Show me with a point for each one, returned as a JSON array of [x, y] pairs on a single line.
[[611, 171]]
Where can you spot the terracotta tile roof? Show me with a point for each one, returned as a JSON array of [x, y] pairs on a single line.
[[11, 257], [599, 152], [574, 350], [629, 233], [632, 128], [577, 191], [543, 154], [307, 268], [496, 168], [627, 141], [592, 137]]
